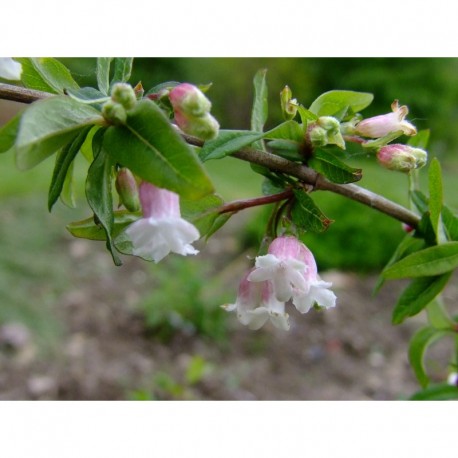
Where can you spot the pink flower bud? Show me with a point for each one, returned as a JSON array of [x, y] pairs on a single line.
[[127, 189], [189, 100], [403, 158], [192, 111], [382, 125]]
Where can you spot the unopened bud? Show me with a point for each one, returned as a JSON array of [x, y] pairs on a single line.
[[288, 104], [403, 158], [204, 127], [114, 112], [127, 189], [326, 131], [124, 94], [189, 99]]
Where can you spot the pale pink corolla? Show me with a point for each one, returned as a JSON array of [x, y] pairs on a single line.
[[291, 268], [161, 230], [379, 126], [256, 304]]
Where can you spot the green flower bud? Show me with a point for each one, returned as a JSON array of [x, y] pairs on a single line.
[[127, 189], [124, 94], [114, 113], [288, 104], [204, 127]]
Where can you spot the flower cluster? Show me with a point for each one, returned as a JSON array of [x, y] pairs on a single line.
[[287, 274]]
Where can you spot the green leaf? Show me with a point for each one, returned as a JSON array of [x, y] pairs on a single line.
[[450, 223], [420, 140], [88, 95], [67, 195], [306, 116], [332, 102], [288, 130], [227, 142], [420, 201], [419, 343], [418, 295], [8, 133], [46, 74], [333, 168], [149, 146], [64, 160], [433, 260], [122, 70], [407, 246], [230, 141], [103, 74], [49, 124], [306, 215], [89, 229], [439, 392], [202, 213], [435, 198], [218, 223], [99, 191], [86, 147], [259, 111]]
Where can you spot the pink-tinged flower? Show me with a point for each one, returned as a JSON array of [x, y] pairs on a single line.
[[256, 304], [10, 69], [191, 110], [161, 230], [382, 125], [402, 158], [291, 268]]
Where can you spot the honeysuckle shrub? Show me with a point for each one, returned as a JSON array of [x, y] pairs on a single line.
[[149, 194]]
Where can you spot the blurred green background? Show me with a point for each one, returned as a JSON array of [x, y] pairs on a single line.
[[34, 244]]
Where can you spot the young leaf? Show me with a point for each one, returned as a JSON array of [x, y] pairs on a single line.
[[418, 295], [306, 116], [49, 124], [260, 108], [419, 343], [230, 141], [420, 201], [8, 133], [306, 215], [103, 74], [88, 229], [149, 146], [227, 142], [407, 246], [436, 198], [122, 70], [332, 102], [288, 130], [334, 169], [88, 95], [286, 148], [431, 261], [99, 192], [64, 160], [46, 74]]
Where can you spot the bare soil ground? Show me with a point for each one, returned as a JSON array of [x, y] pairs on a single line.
[[106, 353]]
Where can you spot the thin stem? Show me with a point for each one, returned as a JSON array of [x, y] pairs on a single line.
[[271, 161], [238, 205]]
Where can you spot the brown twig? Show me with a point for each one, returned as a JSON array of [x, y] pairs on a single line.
[[272, 162]]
